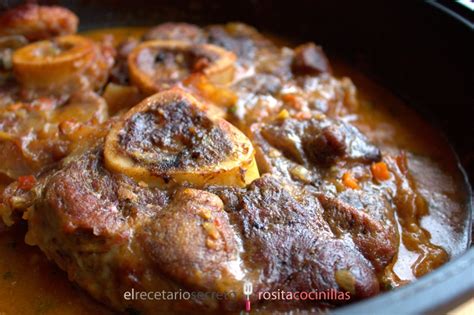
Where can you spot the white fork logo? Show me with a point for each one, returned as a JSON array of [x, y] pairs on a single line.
[[248, 289]]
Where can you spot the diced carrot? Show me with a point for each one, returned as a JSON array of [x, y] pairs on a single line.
[[303, 115], [15, 106], [26, 182], [220, 95], [205, 214], [349, 181], [68, 127], [292, 100], [380, 171]]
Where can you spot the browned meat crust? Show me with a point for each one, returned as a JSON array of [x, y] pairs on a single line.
[[289, 245], [310, 59], [376, 239], [318, 141], [193, 240], [176, 31]]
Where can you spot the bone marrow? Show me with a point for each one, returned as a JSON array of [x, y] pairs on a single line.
[[157, 65]]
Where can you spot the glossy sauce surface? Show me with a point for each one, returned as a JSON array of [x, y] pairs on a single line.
[[32, 285]]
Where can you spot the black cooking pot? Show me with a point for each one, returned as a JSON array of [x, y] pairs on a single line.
[[421, 51]]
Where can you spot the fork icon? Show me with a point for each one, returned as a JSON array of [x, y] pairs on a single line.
[[248, 289]]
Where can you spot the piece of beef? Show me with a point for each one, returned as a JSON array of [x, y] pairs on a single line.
[[37, 22], [119, 72], [315, 143], [176, 31], [371, 225], [289, 245], [112, 234], [339, 140], [192, 241], [240, 44], [310, 59], [301, 152], [259, 84], [243, 40]]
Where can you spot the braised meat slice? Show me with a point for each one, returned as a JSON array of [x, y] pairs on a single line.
[[339, 140], [289, 245], [119, 72], [310, 59], [239, 38], [315, 144], [371, 226], [37, 22], [305, 152], [193, 241], [176, 31], [112, 234]]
